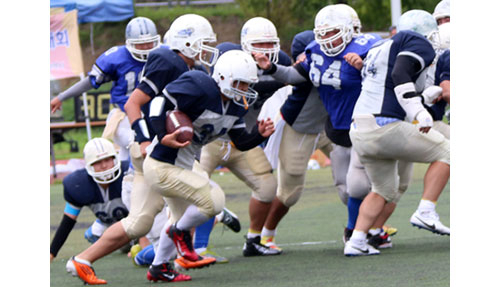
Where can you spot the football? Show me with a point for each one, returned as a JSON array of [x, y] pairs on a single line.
[[179, 120]]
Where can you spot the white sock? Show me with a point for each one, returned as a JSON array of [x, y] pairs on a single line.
[[252, 234], [268, 233], [426, 206], [358, 237], [83, 261], [375, 231], [219, 216], [165, 247], [192, 217]]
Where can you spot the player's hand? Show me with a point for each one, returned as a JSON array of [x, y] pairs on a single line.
[[51, 257], [425, 121], [266, 127], [432, 94], [300, 58], [143, 147], [170, 140], [55, 105], [262, 60], [354, 60]]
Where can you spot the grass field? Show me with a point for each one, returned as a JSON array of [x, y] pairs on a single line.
[[311, 238]]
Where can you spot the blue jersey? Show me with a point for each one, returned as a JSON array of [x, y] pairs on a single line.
[[117, 65], [377, 95], [81, 190], [338, 83], [266, 86], [198, 96], [442, 74]]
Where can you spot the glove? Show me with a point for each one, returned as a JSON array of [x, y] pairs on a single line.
[[431, 93], [424, 119]]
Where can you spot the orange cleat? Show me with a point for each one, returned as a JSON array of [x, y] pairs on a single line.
[[200, 263], [84, 271]]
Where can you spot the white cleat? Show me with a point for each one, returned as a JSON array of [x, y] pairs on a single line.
[[429, 221], [351, 249]]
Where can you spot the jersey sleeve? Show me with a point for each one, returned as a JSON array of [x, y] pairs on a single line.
[[104, 68], [157, 73], [416, 46]]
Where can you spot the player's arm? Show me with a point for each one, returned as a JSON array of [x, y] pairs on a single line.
[[445, 85], [243, 140], [76, 90], [404, 69], [133, 110], [67, 223], [157, 114], [286, 74]]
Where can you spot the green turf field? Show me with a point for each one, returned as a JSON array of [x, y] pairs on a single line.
[[310, 235]]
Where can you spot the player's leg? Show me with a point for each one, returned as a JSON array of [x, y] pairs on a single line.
[[204, 199], [253, 168], [294, 153]]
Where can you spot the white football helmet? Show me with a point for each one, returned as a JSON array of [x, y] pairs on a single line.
[[189, 34], [422, 22], [141, 30], [95, 150], [166, 38], [356, 23], [260, 30], [232, 68], [328, 19], [444, 35], [442, 10]]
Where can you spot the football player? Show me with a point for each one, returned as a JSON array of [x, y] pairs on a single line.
[[252, 167], [393, 78], [333, 65], [190, 36], [291, 146], [123, 66], [442, 12], [98, 186], [216, 106]]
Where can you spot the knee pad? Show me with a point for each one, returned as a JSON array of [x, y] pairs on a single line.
[[127, 189], [266, 190], [343, 195], [137, 226], [291, 197], [358, 183], [114, 118], [218, 199], [257, 161], [398, 196]]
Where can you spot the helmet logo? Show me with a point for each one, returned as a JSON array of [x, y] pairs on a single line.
[[185, 32]]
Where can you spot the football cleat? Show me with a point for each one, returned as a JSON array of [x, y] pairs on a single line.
[[253, 247], [390, 230], [182, 263], [183, 242], [380, 241], [269, 242], [230, 220], [209, 253], [347, 234], [134, 250], [429, 221], [351, 249], [164, 272], [83, 271]]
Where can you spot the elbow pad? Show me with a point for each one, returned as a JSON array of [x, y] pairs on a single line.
[[409, 100]]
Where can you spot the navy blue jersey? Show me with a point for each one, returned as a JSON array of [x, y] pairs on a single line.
[[442, 74], [117, 65], [338, 83], [198, 96], [81, 190], [377, 95], [266, 86], [163, 66]]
